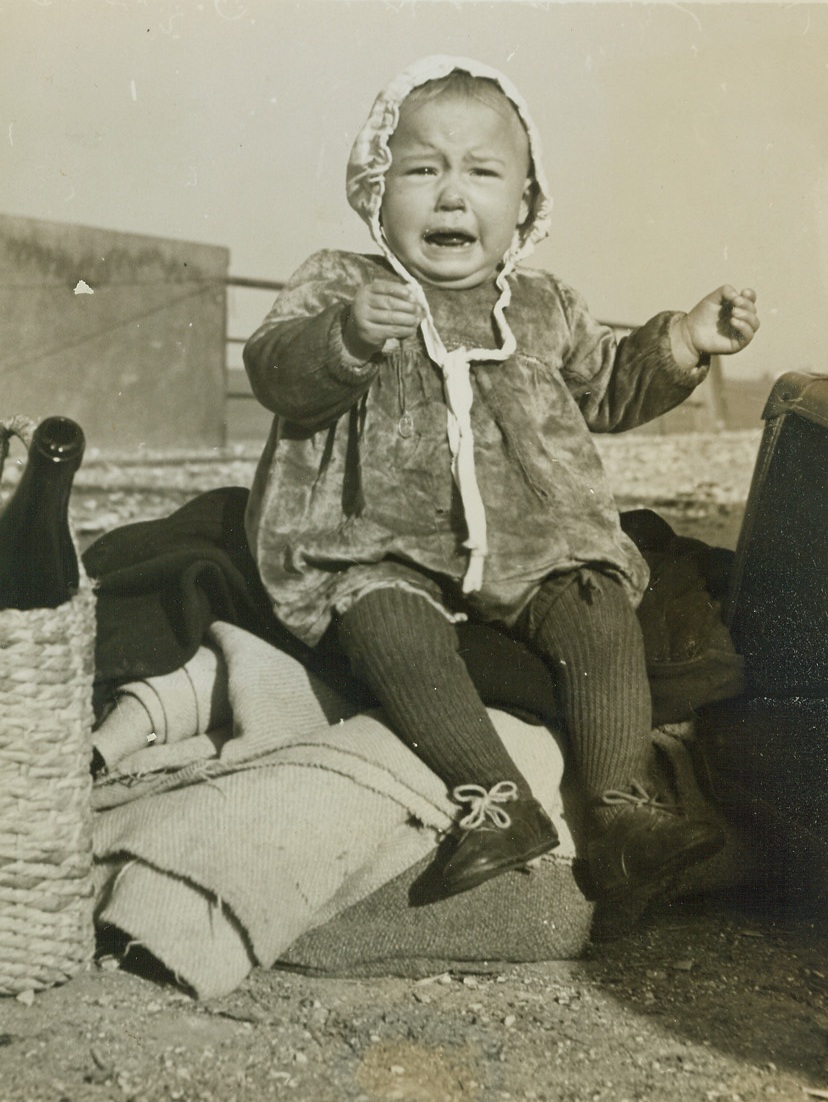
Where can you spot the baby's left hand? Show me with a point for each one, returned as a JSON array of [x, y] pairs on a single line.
[[724, 322]]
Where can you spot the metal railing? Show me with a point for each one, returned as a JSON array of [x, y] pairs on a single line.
[[254, 285], [245, 419]]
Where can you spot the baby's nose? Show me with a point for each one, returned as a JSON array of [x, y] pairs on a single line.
[[451, 197]]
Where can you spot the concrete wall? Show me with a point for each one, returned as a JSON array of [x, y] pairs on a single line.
[[140, 359]]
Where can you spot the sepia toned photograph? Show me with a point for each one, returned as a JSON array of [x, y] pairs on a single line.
[[413, 551]]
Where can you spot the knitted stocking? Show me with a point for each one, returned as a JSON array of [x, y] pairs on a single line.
[[588, 632], [405, 650]]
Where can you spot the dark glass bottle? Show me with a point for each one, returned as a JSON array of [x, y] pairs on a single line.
[[38, 562]]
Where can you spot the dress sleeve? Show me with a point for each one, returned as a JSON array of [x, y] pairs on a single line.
[[621, 384], [296, 361]]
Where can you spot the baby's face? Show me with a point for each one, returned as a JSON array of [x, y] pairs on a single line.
[[456, 190]]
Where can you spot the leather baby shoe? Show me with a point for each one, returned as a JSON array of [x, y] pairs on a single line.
[[645, 848], [494, 840]]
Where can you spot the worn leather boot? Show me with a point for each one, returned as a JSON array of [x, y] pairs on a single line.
[[494, 839], [645, 848]]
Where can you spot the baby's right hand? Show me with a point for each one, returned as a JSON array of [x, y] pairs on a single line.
[[381, 310]]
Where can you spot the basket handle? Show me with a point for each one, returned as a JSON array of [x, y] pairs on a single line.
[[20, 426]]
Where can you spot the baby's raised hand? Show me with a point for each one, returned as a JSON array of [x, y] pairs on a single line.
[[381, 310], [724, 322]]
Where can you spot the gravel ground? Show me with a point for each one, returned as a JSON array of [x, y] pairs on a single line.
[[713, 1002], [717, 999]]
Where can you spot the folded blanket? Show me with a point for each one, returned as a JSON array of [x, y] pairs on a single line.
[[222, 862]]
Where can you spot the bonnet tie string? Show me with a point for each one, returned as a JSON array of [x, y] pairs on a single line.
[[458, 392], [455, 366]]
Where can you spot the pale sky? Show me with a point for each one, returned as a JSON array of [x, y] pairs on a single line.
[[686, 145]]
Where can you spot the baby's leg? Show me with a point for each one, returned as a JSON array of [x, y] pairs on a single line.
[[405, 650], [587, 630]]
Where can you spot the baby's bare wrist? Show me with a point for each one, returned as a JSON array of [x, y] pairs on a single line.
[[684, 349], [355, 345]]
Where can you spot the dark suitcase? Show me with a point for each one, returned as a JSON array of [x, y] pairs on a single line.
[[777, 606], [764, 762]]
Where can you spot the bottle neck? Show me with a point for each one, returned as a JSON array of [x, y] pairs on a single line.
[[59, 440], [38, 560]]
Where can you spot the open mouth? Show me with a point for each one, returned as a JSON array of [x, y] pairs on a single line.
[[449, 239]]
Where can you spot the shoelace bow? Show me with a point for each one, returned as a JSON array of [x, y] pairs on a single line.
[[485, 804], [638, 796]]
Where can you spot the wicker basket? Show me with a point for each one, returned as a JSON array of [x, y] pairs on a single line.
[[46, 672]]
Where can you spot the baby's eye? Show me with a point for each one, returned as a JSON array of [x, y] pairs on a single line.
[[421, 170], [484, 172]]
